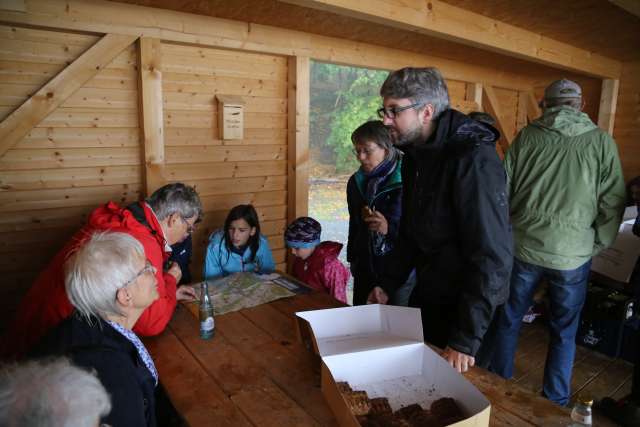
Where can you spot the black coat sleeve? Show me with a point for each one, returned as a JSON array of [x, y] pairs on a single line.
[[353, 220], [398, 264], [482, 216]]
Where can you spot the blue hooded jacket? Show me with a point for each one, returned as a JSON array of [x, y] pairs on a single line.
[[220, 262]]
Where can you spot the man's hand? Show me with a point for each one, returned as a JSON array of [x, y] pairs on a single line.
[[175, 271], [377, 296], [459, 361], [377, 222], [186, 293]]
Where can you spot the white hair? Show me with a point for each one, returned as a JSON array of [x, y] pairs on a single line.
[[51, 393], [104, 264]]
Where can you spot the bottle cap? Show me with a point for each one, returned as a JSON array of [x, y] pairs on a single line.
[[586, 400]]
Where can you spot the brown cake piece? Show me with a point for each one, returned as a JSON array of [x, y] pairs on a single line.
[[380, 405], [447, 411], [343, 386], [357, 402], [408, 411], [423, 418]]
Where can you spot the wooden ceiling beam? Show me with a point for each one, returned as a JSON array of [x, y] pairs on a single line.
[[98, 16], [438, 19]]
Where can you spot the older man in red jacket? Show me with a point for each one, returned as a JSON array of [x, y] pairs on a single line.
[[165, 218]]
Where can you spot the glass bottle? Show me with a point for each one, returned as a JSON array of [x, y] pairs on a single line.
[[207, 323], [581, 412]]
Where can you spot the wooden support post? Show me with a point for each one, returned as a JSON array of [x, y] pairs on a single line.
[[521, 113], [474, 93], [35, 109], [608, 102], [533, 109], [298, 137], [152, 128], [490, 103]]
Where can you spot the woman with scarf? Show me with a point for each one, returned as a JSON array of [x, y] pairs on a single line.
[[374, 197]]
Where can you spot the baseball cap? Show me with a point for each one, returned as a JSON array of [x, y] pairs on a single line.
[[563, 89]]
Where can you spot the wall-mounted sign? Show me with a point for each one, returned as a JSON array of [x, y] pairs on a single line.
[[230, 116]]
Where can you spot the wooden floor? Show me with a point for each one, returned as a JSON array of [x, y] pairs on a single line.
[[594, 374]]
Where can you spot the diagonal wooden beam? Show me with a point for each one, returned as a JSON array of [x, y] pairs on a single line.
[[533, 109], [57, 90], [151, 112], [439, 19], [491, 106]]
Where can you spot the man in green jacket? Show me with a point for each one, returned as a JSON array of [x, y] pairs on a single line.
[[567, 197]]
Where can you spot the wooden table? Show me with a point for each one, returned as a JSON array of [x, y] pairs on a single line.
[[255, 372]]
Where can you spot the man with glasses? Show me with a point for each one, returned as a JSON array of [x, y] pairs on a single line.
[[164, 219], [455, 222]]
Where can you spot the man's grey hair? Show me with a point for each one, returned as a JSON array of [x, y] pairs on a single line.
[[175, 199], [575, 103], [104, 264], [420, 85], [51, 393]]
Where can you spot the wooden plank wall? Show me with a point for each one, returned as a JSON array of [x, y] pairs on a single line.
[[231, 172], [627, 121], [84, 153]]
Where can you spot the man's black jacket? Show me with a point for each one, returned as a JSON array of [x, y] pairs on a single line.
[[455, 227]]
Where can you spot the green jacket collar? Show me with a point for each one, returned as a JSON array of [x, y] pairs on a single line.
[[565, 120]]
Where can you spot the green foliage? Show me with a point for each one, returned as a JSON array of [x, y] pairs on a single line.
[[342, 98]]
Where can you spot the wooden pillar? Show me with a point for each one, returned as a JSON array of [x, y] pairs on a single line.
[[151, 112], [298, 139], [474, 93], [608, 102]]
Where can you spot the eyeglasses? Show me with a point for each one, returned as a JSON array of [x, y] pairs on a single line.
[[190, 228], [366, 151], [148, 268], [392, 112]]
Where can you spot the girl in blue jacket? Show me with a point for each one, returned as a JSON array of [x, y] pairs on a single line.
[[239, 246]]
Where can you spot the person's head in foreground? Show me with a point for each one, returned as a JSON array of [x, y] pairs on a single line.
[[373, 145], [110, 278], [303, 236], [413, 99], [242, 229], [51, 393], [563, 93], [178, 209]]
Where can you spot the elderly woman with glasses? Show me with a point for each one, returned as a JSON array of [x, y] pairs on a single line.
[[110, 283], [374, 197]]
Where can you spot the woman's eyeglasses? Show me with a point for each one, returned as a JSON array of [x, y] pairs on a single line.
[[148, 268]]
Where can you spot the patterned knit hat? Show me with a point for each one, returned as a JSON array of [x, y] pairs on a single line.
[[304, 233]]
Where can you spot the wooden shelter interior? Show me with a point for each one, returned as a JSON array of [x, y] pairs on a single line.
[[103, 100]]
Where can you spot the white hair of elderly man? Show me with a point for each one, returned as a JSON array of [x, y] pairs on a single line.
[[51, 393]]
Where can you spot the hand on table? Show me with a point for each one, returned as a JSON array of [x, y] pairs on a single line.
[[186, 293], [377, 296], [377, 222], [459, 361]]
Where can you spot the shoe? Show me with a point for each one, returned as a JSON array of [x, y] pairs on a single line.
[[624, 412]]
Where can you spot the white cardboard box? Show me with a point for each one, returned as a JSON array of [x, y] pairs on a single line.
[[380, 349]]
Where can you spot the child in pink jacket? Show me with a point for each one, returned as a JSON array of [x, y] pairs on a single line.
[[316, 263]]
